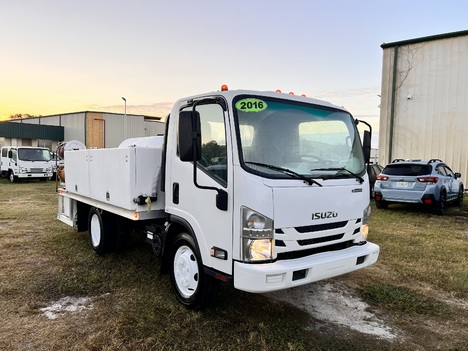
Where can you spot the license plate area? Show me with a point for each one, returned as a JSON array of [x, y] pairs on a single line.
[[402, 184]]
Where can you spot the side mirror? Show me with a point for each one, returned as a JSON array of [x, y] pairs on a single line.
[[189, 136], [366, 146], [457, 175]]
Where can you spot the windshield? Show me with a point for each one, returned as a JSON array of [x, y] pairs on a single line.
[[34, 154], [310, 140]]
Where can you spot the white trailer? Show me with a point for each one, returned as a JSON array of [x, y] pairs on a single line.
[[262, 190], [25, 162]]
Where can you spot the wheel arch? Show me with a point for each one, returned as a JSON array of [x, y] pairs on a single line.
[[176, 226], [443, 189]]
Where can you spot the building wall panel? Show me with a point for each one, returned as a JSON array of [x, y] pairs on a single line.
[[117, 129], [75, 126]]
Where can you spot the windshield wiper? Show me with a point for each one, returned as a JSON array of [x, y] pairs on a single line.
[[286, 171], [361, 180]]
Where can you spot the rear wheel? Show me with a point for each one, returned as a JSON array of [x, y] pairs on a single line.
[[99, 233], [381, 204], [440, 207], [192, 287]]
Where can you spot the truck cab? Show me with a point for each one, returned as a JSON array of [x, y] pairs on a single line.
[[289, 202]]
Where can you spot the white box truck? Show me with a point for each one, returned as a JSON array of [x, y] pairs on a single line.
[[25, 162], [263, 190]]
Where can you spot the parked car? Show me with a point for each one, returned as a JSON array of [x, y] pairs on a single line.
[[430, 183], [373, 170]]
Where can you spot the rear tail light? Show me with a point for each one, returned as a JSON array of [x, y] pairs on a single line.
[[428, 180], [381, 177]]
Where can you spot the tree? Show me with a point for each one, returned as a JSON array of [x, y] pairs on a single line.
[[22, 115]]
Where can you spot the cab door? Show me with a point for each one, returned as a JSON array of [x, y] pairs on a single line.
[[197, 204]]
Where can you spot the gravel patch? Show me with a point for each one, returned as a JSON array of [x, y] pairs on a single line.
[[333, 303]]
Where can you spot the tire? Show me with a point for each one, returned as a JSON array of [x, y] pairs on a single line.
[[191, 286], [440, 207], [99, 233], [459, 200], [120, 229], [12, 177], [381, 204]]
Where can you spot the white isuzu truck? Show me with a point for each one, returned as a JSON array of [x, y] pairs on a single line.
[[25, 162], [262, 190]]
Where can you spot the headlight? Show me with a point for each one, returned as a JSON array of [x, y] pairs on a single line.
[[365, 223], [23, 170], [257, 236]]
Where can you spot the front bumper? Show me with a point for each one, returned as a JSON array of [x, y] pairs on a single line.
[[34, 175], [262, 278]]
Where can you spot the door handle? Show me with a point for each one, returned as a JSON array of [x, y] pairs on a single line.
[[175, 193]]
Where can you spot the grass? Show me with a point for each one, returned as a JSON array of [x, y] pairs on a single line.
[[419, 286], [422, 250]]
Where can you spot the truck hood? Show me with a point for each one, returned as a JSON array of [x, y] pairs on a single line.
[[305, 205]]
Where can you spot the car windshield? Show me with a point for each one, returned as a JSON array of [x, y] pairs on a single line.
[[407, 170], [279, 137], [34, 154]]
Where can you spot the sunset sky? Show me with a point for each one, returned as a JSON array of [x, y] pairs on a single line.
[[59, 56]]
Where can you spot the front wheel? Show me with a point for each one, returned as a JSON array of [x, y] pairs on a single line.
[[459, 200], [12, 177], [192, 287]]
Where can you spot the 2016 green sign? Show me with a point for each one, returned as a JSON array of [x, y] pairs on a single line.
[[251, 105]]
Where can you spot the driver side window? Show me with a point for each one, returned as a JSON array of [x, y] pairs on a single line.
[[214, 150]]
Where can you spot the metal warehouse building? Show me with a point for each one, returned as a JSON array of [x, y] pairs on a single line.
[[424, 104], [94, 129]]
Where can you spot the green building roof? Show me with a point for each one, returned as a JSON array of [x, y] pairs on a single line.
[[31, 131]]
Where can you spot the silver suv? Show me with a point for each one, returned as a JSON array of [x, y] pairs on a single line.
[[414, 181]]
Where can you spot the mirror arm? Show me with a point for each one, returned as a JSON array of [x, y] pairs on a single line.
[[367, 124]]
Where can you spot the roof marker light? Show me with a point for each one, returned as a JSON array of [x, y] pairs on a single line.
[[278, 91], [291, 93], [224, 87], [303, 95]]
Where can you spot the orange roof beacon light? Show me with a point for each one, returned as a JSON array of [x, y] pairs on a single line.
[[278, 91], [303, 95], [291, 93], [224, 87]]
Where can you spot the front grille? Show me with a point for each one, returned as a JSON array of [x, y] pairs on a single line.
[[320, 227], [308, 252], [37, 170], [323, 239], [280, 243]]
